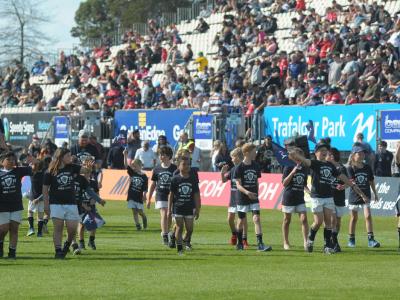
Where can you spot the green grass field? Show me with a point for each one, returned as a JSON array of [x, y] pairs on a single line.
[[134, 265]]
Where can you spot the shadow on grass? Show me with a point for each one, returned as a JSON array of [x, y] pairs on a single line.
[[91, 258]]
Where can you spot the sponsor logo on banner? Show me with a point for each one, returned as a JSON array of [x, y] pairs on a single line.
[[340, 123], [153, 123], [212, 190], [390, 128], [203, 131], [6, 126]]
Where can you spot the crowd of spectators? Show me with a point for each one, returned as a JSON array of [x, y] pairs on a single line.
[[348, 55]]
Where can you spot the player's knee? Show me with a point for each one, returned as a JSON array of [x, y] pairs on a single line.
[[241, 215], [286, 220], [256, 218]]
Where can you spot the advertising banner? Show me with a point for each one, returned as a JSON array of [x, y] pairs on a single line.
[[339, 122], [213, 191], [390, 128], [216, 193], [153, 123], [60, 130], [19, 127], [203, 131]]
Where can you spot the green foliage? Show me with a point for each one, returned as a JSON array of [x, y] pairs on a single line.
[[97, 17], [130, 264]]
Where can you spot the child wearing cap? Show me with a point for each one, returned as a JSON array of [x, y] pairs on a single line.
[[361, 174]]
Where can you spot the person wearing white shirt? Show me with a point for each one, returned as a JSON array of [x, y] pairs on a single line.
[[147, 156], [196, 157]]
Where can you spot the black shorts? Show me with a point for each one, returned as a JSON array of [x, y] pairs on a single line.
[[182, 211], [398, 207]]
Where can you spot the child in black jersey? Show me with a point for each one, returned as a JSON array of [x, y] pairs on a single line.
[[160, 182], [11, 200], [59, 199], [246, 177], [361, 174], [226, 174], [181, 154], [36, 203], [294, 180], [89, 197], [339, 197], [398, 215], [322, 176], [184, 203], [137, 190]]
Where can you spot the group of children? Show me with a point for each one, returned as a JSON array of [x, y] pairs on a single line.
[[66, 192], [61, 190], [329, 179], [177, 196]]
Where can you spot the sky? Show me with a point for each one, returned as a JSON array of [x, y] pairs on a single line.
[[61, 13]]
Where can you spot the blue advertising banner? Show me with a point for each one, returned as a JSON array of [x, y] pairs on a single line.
[[153, 123], [390, 125], [203, 131], [60, 127], [339, 122]]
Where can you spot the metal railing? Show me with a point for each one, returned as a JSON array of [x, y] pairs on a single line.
[[165, 19]]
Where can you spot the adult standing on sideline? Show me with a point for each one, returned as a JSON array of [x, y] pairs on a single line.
[[134, 143], [83, 150], [369, 152], [115, 158], [99, 147], [147, 156], [383, 161]]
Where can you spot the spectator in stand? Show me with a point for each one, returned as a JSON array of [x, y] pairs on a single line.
[[147, 156], [202, 62], [202, 26], [188, 54]]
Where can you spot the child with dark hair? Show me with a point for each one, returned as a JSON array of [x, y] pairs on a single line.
[[36, 203], [184, 203], [11, 200], [160, 182]]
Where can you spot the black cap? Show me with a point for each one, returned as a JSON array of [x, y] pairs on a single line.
[[319, 146]]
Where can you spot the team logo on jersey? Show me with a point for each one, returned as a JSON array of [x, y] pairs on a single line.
[[64, 179], [136, 182], [9, 181], [326, 173], [185, 190], [299, 179], [164, 178], [361, 179], [250, 176]]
